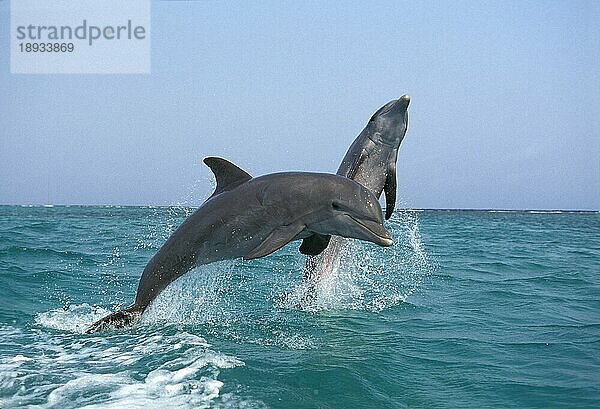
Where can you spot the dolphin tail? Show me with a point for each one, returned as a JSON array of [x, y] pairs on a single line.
[[119, 319]]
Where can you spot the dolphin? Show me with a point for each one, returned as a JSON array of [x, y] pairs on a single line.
[[371, 161], [253, 217]]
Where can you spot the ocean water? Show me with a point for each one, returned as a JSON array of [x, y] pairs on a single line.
[[467, 309]]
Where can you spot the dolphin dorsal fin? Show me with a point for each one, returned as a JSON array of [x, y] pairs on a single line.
[[228, 175]]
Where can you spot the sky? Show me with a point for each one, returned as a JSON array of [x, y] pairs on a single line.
[[504, 113]]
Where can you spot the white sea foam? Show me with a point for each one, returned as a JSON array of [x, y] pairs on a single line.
[[193, 385], [132, 369], [286, 341], [75, 318], [544, 211], [21, 358]]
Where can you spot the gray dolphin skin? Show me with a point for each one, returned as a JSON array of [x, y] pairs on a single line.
[[371, 161], [252, 217]]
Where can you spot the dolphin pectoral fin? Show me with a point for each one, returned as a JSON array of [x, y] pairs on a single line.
[[228, 175], [276, 240], [390, 190], [314, 244]]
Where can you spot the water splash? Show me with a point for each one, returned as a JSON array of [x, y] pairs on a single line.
[[366, 278], [73, 318], [172, 369], [197, 297]]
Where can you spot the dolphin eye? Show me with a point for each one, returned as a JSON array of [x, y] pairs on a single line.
[[336, 205]]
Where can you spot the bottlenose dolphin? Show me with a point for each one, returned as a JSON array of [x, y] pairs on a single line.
[[371, 161], [252, 217]]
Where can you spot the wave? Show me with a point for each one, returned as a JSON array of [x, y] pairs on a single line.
[[137, 369], [45, 253], [544, 211]]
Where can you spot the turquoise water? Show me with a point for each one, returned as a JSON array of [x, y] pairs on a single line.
[[467, 309]]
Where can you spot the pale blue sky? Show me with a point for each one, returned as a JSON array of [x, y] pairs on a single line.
[[505, 109]]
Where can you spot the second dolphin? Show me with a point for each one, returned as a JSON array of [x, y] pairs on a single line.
[[371, 161]]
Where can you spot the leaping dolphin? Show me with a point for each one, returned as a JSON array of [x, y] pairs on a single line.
[[252, 217], [371, 161]]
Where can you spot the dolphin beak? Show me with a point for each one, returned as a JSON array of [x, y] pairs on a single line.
[[398, 107], [375, 232], [404, 100]]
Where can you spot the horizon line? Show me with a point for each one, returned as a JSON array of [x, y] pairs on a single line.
[[480, 209]]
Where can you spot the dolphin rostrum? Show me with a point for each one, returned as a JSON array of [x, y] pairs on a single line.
[[371, 161], [251, 218]]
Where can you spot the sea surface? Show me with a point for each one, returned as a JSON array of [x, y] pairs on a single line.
[[468, 309]]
